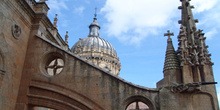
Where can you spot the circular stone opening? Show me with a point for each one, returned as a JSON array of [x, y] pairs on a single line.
[[53, 64]]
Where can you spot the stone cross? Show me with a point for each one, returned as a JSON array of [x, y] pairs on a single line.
[[55, 66], [168, 34]]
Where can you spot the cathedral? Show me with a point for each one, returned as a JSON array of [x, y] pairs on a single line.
[[39, 71]]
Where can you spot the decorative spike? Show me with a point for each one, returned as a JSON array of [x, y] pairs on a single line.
[[196, 20], [200, 30], [202, 34], [180, 7]]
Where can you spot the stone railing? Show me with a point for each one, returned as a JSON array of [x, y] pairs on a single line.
[[32, 3]]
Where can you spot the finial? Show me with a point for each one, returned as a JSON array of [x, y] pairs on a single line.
[[55, 21], [171, 60], [168, 34], [95, 12], [66, 37]]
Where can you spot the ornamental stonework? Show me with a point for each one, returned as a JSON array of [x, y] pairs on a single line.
[[16, 31]]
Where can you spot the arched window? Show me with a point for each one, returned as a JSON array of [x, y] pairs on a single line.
[[42, 108], [138, 105]]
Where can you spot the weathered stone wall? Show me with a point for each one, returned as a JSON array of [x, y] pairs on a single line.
[[13, 46], [80, 84], [186, 101]]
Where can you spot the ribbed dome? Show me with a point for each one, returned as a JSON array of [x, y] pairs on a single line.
[[95, 44], [97, 50]]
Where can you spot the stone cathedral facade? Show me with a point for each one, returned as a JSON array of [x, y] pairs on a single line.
[[38, 70]]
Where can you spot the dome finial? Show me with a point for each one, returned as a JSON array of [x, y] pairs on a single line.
[[95, 14]]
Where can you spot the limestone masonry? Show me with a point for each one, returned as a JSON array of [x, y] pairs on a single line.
[[38, 70]]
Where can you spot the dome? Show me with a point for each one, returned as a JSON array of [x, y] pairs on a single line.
[[95, 44], [97, 50]]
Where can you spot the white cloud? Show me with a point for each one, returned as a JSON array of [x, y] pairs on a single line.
[[65, 23], [202, 5], [211, 33], [132, 21], [209, 21], [79, 10], [212, 17], [57, 5]]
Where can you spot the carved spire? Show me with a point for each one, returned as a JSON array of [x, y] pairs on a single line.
[[192, 48], [204, 53], [55, 21], [66, 37], [191, 41], [189, 35], [94, 27], [188, 21], [171, 61]]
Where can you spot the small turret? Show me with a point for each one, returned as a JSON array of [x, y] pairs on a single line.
[[171, 70], [171, 60], [94, 27]]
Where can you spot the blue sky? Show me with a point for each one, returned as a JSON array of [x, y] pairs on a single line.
[[135, 28]]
